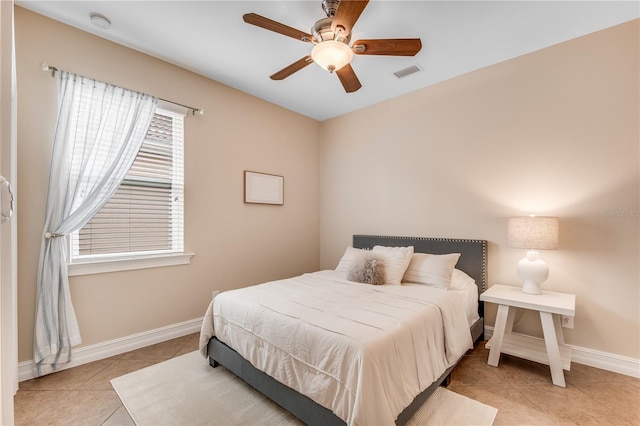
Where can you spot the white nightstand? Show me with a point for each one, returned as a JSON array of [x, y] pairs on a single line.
[[551, 306]]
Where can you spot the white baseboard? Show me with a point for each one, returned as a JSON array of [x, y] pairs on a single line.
[[593, 358], [86, 354]]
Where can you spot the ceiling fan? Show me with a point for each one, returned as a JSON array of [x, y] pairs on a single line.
[[331, 37]]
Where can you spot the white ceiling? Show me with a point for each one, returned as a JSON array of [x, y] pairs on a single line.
[[211, 39]]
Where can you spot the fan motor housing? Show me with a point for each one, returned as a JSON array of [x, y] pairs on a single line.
[[322, 31]]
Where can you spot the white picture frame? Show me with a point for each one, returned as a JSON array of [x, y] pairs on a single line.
[[263, 188]]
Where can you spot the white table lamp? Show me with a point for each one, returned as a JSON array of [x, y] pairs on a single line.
[[533, 233]]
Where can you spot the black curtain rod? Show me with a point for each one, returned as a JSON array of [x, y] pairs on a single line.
[[194, 111]]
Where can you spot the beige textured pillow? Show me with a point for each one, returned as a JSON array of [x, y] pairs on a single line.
[[431, 269], [396, 260]]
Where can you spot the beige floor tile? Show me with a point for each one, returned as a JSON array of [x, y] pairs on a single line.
[[120, 367], [568, 406], [473, 370], [27, 405], [120, 418], [67, 379], [158, 352], [521, 371], [621, 400], [190, 342], [82, 408], [478, 349]]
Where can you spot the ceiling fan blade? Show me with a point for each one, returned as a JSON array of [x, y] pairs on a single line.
[[348, 79], [268, 24], [391, 46], [296, 66], [347, 14]]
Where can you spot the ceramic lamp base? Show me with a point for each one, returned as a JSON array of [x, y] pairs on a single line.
[[533, 271]]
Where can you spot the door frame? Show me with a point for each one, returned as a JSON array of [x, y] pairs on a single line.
[[8, 230]]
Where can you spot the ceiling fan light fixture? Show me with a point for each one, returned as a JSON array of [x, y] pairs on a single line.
[[331, 55]]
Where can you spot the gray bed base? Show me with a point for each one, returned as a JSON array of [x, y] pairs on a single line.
[[473, 261]]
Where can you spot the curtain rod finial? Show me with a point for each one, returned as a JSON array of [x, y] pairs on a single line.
[[46, 67]]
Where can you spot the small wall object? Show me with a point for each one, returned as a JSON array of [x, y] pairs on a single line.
[[263, 188]]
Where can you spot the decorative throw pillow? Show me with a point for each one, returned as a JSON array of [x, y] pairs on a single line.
[[431, 269], [367, 268], [349, 254], [396, 260]]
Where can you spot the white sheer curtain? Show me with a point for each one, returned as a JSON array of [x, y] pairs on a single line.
[[99, 132]]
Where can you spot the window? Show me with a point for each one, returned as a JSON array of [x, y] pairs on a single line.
[[142, 224]]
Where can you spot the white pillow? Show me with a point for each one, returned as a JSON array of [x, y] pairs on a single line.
[[396, 260], [431, 269], [349, 254], [460, 280]]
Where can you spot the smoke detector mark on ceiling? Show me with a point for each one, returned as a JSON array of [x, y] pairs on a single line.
[[100, 21], [407, 71]]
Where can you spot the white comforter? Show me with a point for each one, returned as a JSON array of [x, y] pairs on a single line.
[[364, 352]]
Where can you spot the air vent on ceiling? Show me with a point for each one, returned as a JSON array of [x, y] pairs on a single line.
[[407, 71]]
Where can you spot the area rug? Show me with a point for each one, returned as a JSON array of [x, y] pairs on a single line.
[[186, 391]]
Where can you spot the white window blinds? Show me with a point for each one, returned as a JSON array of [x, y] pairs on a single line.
[[145, 215]]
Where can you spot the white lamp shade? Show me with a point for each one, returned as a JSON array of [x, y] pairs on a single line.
[[533, 232], [331, 55]]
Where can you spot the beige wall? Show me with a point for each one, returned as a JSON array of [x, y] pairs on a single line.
[[554, 132], [235, 244]]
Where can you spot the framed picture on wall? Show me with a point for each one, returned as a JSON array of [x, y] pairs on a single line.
[[263, 188]]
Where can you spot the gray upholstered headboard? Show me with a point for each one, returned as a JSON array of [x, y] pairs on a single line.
[[473, 253]]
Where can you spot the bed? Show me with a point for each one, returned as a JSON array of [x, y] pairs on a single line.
[[305, 369]]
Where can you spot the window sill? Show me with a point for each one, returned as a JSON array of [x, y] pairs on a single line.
[[115, 265]]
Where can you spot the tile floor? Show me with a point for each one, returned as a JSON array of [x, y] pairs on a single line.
[[520, 390], [83, 395]]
